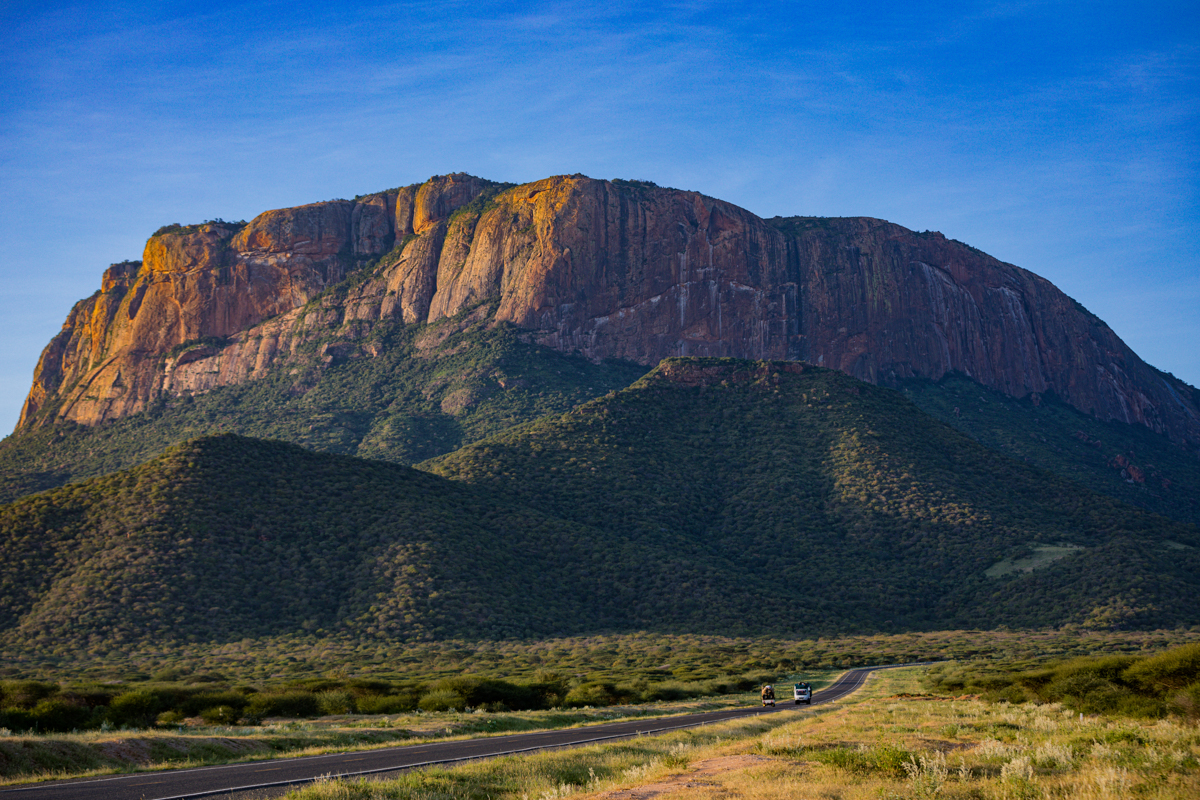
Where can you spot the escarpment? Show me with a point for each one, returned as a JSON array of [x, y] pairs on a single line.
[[615, 269]]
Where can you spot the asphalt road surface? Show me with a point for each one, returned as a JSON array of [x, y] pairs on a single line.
[[266, 778]]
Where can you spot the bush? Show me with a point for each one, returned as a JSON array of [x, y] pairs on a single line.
[[220, 715], [386, 704], [664, 693], [483, 692], [17, 719], [363, 686], [137, 709], [57, 714], [335, 702], [1125, 685], [283, 704], [595, 693], [24, 694], [1166, 672], [196, 704], [1186, 702], [443, 700], [169, 719]]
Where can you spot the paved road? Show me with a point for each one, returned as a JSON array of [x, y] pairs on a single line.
[[262, 776]]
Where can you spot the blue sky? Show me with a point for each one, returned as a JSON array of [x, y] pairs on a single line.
[[1062, 137]]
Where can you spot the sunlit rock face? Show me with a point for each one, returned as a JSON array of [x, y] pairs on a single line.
[[611, 270]]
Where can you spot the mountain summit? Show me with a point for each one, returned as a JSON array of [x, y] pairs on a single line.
[[609, 269]]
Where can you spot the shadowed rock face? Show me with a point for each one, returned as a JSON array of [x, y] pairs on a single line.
[[621, 270]]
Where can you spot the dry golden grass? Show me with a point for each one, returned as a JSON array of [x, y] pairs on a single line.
[[882, 744]]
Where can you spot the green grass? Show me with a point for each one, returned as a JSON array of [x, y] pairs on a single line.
[[1040, 556]]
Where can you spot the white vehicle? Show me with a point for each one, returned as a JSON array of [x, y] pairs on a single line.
[[803, 693]]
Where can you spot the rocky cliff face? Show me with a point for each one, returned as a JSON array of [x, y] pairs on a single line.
[[613, 270]]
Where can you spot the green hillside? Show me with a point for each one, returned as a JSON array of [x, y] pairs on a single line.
[[837, 500], [429, 390], [1128, 462], [711, 497], [227, 537], [432, 389]]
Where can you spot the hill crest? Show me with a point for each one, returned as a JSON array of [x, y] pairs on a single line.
[[609, 269], [711, 496]]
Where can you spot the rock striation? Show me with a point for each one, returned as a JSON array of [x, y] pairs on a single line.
[[611, 269]]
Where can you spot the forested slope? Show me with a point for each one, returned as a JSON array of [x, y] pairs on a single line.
[[712, 496], [428, 390], [841, 500]]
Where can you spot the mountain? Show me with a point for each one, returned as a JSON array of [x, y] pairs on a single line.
[[428, 389], [1127, 462], [711, 496], [609, 269], [839, 499], [227, 537]]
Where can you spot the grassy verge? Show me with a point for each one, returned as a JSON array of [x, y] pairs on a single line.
[[30, 758], [890, 741]]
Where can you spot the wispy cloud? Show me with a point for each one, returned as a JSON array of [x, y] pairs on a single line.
[[1075, 156]]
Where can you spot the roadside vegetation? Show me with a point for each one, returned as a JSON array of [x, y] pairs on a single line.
[[244, 683], [890, 740], [911, 732], [25, 757], [1149, 686], [31, 706]]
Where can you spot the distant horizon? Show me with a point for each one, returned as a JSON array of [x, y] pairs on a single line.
[[1063, 140]]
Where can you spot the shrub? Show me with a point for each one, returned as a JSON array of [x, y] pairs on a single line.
[[1166, 672], [58, 714], [169, 718], [483, 692], [197, 703], [664, 693], [17, 719], [135, 709], [595, 693], [364, 686], [442, 700], [24, 694], [220, 715], [386, 704], [1186, 702], [335, 702], [283, 704]]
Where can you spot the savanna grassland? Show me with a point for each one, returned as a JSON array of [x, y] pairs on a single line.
[[254, 682], [1094, 726], [892, 739]]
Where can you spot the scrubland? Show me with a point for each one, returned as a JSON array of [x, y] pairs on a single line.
[[890, 741]]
